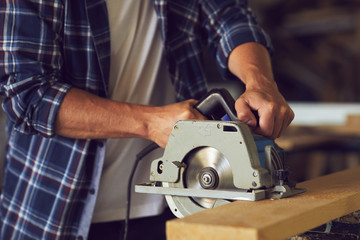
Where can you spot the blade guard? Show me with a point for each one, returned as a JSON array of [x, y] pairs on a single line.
[[240, 146], [233, 139]]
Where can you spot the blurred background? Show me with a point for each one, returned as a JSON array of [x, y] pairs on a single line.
[[317, 47], [316, 64]]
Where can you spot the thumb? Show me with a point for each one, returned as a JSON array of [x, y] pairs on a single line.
[[245, 113]]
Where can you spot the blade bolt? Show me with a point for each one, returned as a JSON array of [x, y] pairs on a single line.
[[208, 178]]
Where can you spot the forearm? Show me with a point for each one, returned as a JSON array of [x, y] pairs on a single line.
[[251, 63], [84, 115]]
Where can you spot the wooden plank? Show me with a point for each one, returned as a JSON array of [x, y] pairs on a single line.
[[327, 198]]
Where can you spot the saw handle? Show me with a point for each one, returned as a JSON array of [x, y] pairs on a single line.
[[217, 103]]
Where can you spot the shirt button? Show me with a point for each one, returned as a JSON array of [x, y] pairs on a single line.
[[92, 191]]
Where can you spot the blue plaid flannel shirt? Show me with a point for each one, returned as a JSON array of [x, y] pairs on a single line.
[[47, 47]]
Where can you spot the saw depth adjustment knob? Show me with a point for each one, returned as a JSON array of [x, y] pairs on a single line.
[[208, 178]]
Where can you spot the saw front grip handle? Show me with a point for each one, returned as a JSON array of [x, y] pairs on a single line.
[[217, 103]]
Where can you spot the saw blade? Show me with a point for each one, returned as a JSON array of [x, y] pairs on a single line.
[[207, 168]]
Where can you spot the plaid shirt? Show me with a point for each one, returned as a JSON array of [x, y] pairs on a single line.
[[47, 47]]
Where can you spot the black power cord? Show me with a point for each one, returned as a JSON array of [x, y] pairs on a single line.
[[139, 156]]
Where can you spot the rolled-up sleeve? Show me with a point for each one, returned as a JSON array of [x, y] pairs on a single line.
[[31, 80], [227, 24]]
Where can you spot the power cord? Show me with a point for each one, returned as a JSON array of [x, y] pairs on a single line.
[[151, 147]]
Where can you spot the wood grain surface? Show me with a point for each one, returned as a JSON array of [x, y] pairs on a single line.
[[327, 198]]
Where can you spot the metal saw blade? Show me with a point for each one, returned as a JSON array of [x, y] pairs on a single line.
[[207, 168], [200, 162]]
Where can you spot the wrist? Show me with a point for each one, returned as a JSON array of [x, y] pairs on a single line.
[[253, 78]]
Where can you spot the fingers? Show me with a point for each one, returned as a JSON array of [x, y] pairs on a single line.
[[267, 121], [190, 113], [274, 121], [245, 113], [288, 117], [164, 118], [274, 113]]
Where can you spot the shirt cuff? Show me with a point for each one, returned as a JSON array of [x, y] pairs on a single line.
[[46, 112], [33, 103]]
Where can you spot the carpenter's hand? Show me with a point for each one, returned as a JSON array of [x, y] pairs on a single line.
[[251, 63], [274, 113], [165, 117]]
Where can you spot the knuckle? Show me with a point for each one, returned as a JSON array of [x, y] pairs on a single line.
[[271, 106], [292, 115], [242, 115], [189, 114]]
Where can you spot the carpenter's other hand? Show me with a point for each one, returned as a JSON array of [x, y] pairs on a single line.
[[164, 118], [273, 111]]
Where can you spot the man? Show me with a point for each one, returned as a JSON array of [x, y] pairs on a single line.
[[55, 71]]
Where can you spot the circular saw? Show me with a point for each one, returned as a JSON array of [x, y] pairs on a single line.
[[208, 163]]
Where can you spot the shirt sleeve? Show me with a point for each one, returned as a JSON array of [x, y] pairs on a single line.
[[31, 81], [227, 24]]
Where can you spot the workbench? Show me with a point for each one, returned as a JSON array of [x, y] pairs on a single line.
[[327, 198]]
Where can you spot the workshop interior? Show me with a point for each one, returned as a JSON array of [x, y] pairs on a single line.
[[316, 63]]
